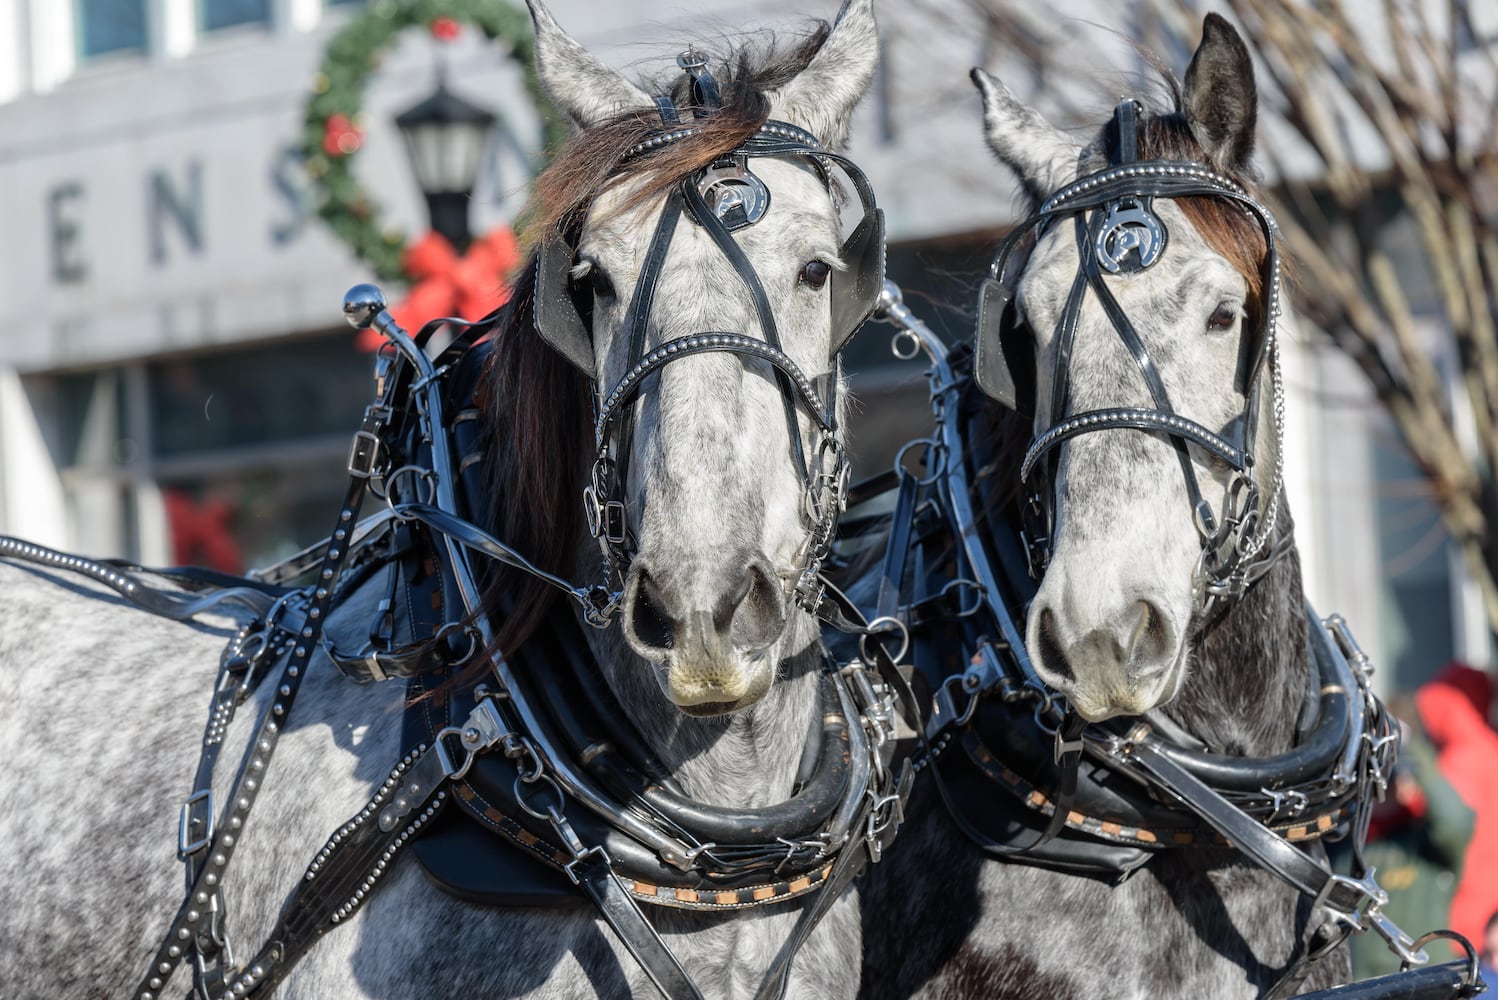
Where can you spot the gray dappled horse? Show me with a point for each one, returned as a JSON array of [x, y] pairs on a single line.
[[102, 707], [1138, 503]]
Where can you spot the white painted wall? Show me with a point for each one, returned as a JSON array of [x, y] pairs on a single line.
[[31, 494]]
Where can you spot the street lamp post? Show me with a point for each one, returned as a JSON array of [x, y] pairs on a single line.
[[446, 137]]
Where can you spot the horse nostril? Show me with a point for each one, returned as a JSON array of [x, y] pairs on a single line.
[[650, 625], [731, 601], [1051, 653], [1150, 641], [759, 617]]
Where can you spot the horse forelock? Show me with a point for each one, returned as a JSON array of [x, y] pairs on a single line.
[[1226, 227], [595, 157]]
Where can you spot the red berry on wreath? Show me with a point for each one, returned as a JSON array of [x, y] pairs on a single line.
[[340, 136], [445, 29]]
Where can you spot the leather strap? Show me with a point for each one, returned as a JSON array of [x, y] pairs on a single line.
[[595, 876], [1068, 759], [1257, 842], [849, 863], [897, 549], [125, 581], [347, 869], [735, 255], [194, 929], [1449, 981]]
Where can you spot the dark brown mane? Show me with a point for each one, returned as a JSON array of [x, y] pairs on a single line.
[[540, 407], [540, 429]]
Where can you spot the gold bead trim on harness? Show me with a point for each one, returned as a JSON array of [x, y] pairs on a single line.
[[1120, 832], [662, 895]]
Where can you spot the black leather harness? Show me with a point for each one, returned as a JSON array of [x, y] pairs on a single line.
[[1100, 800], [557, 778]]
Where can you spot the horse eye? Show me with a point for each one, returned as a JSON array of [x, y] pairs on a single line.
[[816, 273], [1223, 317], [603, 288], [595, 280]]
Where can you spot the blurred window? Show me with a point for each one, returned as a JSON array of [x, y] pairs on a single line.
[[256, 396], [216, 14], [106, 26], [233, 458]]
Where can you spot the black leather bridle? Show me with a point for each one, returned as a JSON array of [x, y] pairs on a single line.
[[721, 198], [1118, 232]]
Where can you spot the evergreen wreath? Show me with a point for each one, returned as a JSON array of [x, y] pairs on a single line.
[[332, 134]]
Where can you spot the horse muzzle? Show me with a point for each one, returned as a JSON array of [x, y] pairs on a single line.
[[710, 636], [1124, 663]]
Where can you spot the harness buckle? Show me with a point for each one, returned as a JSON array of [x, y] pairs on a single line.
[[363, 453], [590, 852], [875, 700], [190, 821], [810, 589], [483, 728], [1063, 746], [606, 520], [888, 812], [598, 604], [614, 522], [983, 672], [1366, 913]]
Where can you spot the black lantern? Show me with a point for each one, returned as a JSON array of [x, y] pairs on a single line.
[[446, 137]]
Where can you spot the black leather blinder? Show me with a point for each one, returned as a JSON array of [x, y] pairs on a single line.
[[855, 290], [557, 319], [1003, 361]]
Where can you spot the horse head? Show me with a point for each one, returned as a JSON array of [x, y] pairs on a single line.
[[1137, 335], [698, 275]]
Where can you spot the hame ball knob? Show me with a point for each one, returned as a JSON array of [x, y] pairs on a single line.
[[361, 304], [890, 298]]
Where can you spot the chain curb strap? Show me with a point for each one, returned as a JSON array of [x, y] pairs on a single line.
[[196, 919]]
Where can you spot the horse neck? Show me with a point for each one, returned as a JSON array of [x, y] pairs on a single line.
[[746, 759], [1248, 679]]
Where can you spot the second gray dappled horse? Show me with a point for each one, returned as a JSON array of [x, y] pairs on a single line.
[[1171, 590]]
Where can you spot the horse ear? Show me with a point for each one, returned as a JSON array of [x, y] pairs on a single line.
[[1044, 157], [584, 88], [1220, 100], [821, 98]]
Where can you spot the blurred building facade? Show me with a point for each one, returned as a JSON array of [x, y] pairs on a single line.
[[175, 378]]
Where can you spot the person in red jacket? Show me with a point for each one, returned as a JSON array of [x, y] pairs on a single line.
[[1454, 711]]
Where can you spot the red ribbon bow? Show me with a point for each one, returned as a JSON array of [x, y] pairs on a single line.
[[469, 287]]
